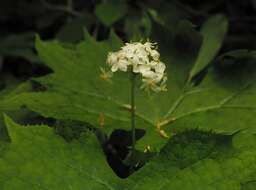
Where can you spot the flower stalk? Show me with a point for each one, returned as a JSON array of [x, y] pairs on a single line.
[[133, 76]]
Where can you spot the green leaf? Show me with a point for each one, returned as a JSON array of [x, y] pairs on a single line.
[[213, 32], [73, 31], [224, 167], [110, 12], [8, 94], [81, 98], [138, 27], [192, 160], [240, 55], [75, 91], [83, 95], [39, 159]]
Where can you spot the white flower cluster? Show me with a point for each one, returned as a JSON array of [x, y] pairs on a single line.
[[143, 59]]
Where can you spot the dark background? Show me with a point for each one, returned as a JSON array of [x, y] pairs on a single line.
[[20, 20]]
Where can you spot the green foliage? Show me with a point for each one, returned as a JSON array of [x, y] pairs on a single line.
[[138, 27], [213, 32], [237, 56], [207, 112], [190, 160], [110, 12], [226, 166], [217, 104], [72, 32], [51, 163]]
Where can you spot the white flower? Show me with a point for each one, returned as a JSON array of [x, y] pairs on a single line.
[[120, 65], [155, 55], [141, 68], [160, 67], [148, 46], [112, 58], [142, 59]]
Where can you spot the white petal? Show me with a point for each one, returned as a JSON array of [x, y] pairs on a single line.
[[148, 74], [160, 67], [153, 63], [136, 69], [122, 65], [114, 68], [158, 77], [155, 55], [144, 68], [112, 58], [148, 46]]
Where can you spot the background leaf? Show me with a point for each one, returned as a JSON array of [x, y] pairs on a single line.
[[213, 32], [110, 12]]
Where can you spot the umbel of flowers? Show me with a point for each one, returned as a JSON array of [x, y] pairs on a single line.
[[143, 59]]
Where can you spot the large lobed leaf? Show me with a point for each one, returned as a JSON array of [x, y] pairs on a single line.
[[223, 102], [38, 159]]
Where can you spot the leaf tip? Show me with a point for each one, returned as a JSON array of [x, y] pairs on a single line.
[[7, 119], [10, 124]]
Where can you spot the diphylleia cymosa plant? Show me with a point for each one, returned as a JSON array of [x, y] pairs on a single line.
[[139, 59]]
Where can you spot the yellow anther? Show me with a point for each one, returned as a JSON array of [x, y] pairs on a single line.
[[163, 134], [105, 75], [127, 107], [147, 149], [102, 120]]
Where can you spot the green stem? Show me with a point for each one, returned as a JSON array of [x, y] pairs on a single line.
[[133, 110]]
